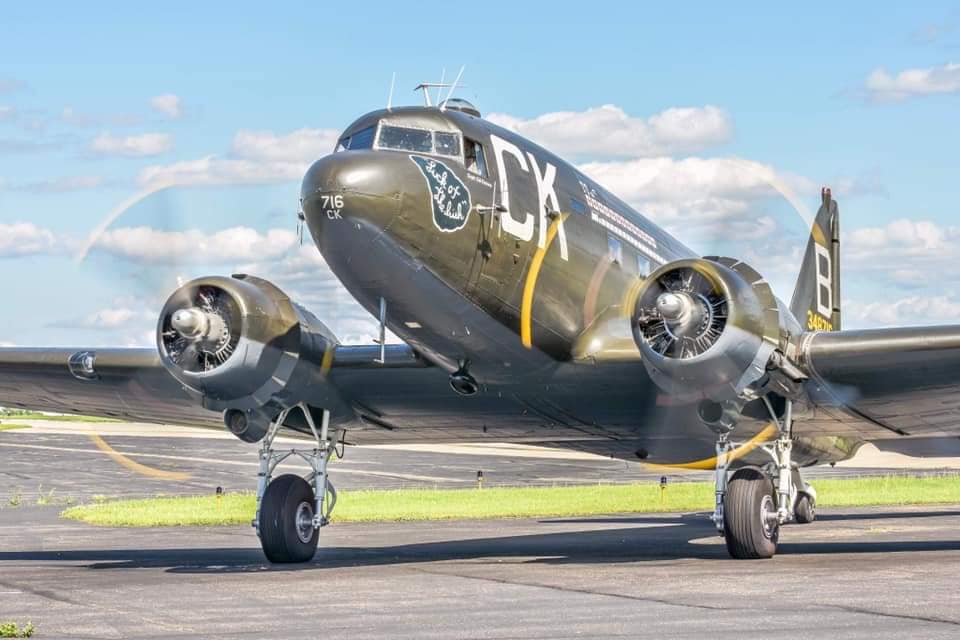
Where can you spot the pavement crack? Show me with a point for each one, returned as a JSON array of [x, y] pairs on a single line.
[[902, 616], [590, 592]]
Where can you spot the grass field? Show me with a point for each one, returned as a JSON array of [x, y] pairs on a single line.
[[523, 502], [11, 427]]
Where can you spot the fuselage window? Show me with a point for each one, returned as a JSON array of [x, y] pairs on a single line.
[[643, 265], [473, 155], [448, 144], [578, 207], [343, 144], [405, 139], [614, 250]]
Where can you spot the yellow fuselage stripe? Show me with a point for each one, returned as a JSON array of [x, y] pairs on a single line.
[[736, 454], [526, 304]]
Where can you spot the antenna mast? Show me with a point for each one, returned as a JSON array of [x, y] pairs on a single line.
[[443, 106], [393, 81], [425, 87]]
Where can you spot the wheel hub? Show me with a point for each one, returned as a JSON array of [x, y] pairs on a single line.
[[768, 516], [304, 522]]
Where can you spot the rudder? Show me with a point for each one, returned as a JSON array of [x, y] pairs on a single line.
[[816, 297]]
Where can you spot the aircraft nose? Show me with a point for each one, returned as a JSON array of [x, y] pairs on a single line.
[[353, 189]]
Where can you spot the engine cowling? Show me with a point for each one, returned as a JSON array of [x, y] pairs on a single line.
[[243, 346], [708, 327]]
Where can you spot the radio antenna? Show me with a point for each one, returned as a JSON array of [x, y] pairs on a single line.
[[453, 87], [393, 81], [440, 85]]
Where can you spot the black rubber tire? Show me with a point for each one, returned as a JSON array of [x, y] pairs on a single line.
[[279, 535], [805, 511], [747, 538]]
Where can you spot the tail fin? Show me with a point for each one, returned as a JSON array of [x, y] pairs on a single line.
[[816, 298]]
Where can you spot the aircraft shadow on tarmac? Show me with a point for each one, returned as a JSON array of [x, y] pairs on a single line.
[[657, 539]]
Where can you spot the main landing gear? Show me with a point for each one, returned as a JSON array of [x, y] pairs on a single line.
[[753, 503], [291, 509]]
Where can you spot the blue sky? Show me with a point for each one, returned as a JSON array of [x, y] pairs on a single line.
[[98, 102]]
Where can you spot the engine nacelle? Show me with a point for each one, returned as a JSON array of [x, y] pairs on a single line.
[[708, 327], [243, 347]]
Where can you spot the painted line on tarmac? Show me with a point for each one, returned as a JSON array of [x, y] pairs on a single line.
[[337, 471], [133, 465]]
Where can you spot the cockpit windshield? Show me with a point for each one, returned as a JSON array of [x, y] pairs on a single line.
[[362, 139], [398, 138], [405, 139]]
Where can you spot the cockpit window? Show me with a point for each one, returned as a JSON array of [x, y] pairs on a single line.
[[475, 160], [405, 139], [362, 139], [443, 143], [448, 144]]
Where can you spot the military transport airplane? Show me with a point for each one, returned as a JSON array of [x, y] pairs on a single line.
[[534, 306]]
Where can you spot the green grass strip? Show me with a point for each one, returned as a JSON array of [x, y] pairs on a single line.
[[58, 418], [521, 502], [11, 427]]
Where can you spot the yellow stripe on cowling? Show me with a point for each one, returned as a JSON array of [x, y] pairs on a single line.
[[630, 297], [711, 463], [136, 467], [526, 303], [327, 361]]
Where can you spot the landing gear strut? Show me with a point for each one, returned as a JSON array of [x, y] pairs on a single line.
[[291, 509], [753, 503]]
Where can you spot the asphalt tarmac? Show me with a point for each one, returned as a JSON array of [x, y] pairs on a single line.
[[855, 573], [61, 459], [852, 574]]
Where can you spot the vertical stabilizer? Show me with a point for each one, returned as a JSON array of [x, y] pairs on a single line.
[[816, 298]]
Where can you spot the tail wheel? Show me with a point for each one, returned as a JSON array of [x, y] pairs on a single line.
[[806, 510], [287, 533], [750, 516]]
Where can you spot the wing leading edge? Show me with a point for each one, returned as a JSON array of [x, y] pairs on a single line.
[[133, 384]]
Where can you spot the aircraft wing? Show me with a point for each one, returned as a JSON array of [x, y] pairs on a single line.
[[133, 384], [906, 380]]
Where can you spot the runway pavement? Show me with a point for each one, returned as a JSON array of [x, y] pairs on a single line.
[[864, 573], [855, 573], [61, 458]]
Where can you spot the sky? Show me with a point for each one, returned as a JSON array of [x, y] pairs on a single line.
[[720, 123]]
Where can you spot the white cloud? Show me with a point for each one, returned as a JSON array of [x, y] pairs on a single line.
[[881, 85], [137, 146], [215, 170], [167, 104], [302, 145], [117, 318], [72, 117], [10, 85], [911, 310], [64, 184], [609, 131], [694, 191], [921, 241], [256, 157], [304, 275], [25, 238], [237, 244]]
